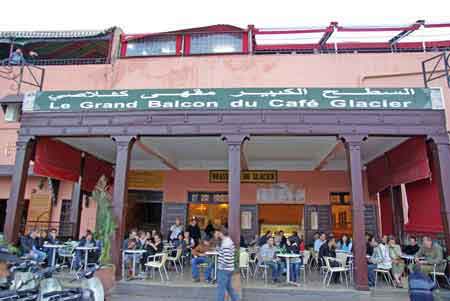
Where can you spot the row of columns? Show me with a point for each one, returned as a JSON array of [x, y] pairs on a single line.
[[234, 142]]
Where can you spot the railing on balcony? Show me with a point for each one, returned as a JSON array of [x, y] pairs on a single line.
[[23, 74], [65, 230]]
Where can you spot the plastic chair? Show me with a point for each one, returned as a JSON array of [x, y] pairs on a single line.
[[386, 275], [261, 265], [306, 258], [330, 270], [244, 266], [159, 264], [67, 253], [176, 259], [439, 270]]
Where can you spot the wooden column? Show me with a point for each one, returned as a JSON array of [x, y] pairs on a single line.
[[441, 160], [120, 194], [234, 143], [353, 151], [24, 152], [76, 205]]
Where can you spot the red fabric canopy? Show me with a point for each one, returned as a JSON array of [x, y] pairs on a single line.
[[377, 174], [406, 163], [387, 220], [57, 160], [93, 169]]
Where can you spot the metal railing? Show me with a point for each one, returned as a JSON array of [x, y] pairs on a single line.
[[27, 74], [440, 67], [73, 61], [65, 230]]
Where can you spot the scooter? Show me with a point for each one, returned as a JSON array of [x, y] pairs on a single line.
[[91, 288]]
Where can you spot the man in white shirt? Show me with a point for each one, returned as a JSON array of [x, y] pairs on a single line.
[[176, 230], [319, 242]]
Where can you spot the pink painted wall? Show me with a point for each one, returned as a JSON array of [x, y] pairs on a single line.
[[318, 185], [307, 70]]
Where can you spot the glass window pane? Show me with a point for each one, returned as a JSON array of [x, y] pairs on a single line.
[[216, 43], [152, 46]]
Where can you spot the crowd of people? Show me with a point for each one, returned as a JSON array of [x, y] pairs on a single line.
[[195, 244], [34, 245]]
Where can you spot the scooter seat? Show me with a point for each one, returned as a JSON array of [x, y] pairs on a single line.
[[8, 293]]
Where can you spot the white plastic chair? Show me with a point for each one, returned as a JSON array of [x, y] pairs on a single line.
[[386, 275], [439, 271], [244, 266], [330, 270], [158, 263], [306, 258], [176, 260]]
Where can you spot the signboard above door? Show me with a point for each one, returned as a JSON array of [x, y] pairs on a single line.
[[293, 98]]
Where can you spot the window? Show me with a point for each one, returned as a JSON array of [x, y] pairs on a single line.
[[65, 227], [152, 46], [216, 43]]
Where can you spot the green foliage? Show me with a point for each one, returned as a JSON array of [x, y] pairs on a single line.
[[105, 223], [11, 249]]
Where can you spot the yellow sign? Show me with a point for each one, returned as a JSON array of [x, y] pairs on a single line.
[[145, 179], [248, 176], [40, 207]]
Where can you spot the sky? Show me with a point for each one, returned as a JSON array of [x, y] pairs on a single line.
[[139, 16]]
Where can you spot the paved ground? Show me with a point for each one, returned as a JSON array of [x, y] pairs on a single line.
[[181, 288]]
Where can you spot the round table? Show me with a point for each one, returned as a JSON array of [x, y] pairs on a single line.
[[214, 254], [55, 247], [408, 258], [86, 251], [288, 258], [134, 253]]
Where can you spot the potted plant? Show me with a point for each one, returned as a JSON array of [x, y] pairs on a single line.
[[104, 229]]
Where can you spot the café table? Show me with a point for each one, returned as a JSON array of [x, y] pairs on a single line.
[[214, 254], [409, 258], [55, 248], [288, 258], [86, 251], [134, 254]]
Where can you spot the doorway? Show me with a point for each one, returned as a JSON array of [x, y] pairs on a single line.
[[276, 217], [144, 209], [341, 214]]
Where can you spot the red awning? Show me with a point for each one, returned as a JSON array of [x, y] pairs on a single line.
[[93, 169], [406, 163], [57, 160]]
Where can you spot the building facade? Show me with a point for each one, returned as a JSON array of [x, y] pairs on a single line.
[[295, 168]]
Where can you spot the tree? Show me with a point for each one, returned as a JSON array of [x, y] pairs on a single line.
[[105, 224]]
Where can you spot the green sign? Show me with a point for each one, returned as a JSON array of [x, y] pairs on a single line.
[[235, 99]]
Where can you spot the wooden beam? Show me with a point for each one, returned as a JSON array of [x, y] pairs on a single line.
[[339, 146], [244, 161], [153, 152]]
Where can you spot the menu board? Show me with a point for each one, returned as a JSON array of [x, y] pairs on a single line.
[[40, 207], [208, 197], [145, 179]]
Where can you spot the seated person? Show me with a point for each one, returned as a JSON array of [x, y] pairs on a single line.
[[328, 249], [319, 242], [152, 247], [398, 265], [412, 248], [345, 244], [93, 255], [369, 247], [29, 246], [263, 240], [52, 240], [132, 237], [380, 259], [199, 257], [268, 256], [189, 243], [429, 254], [295, 263]]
